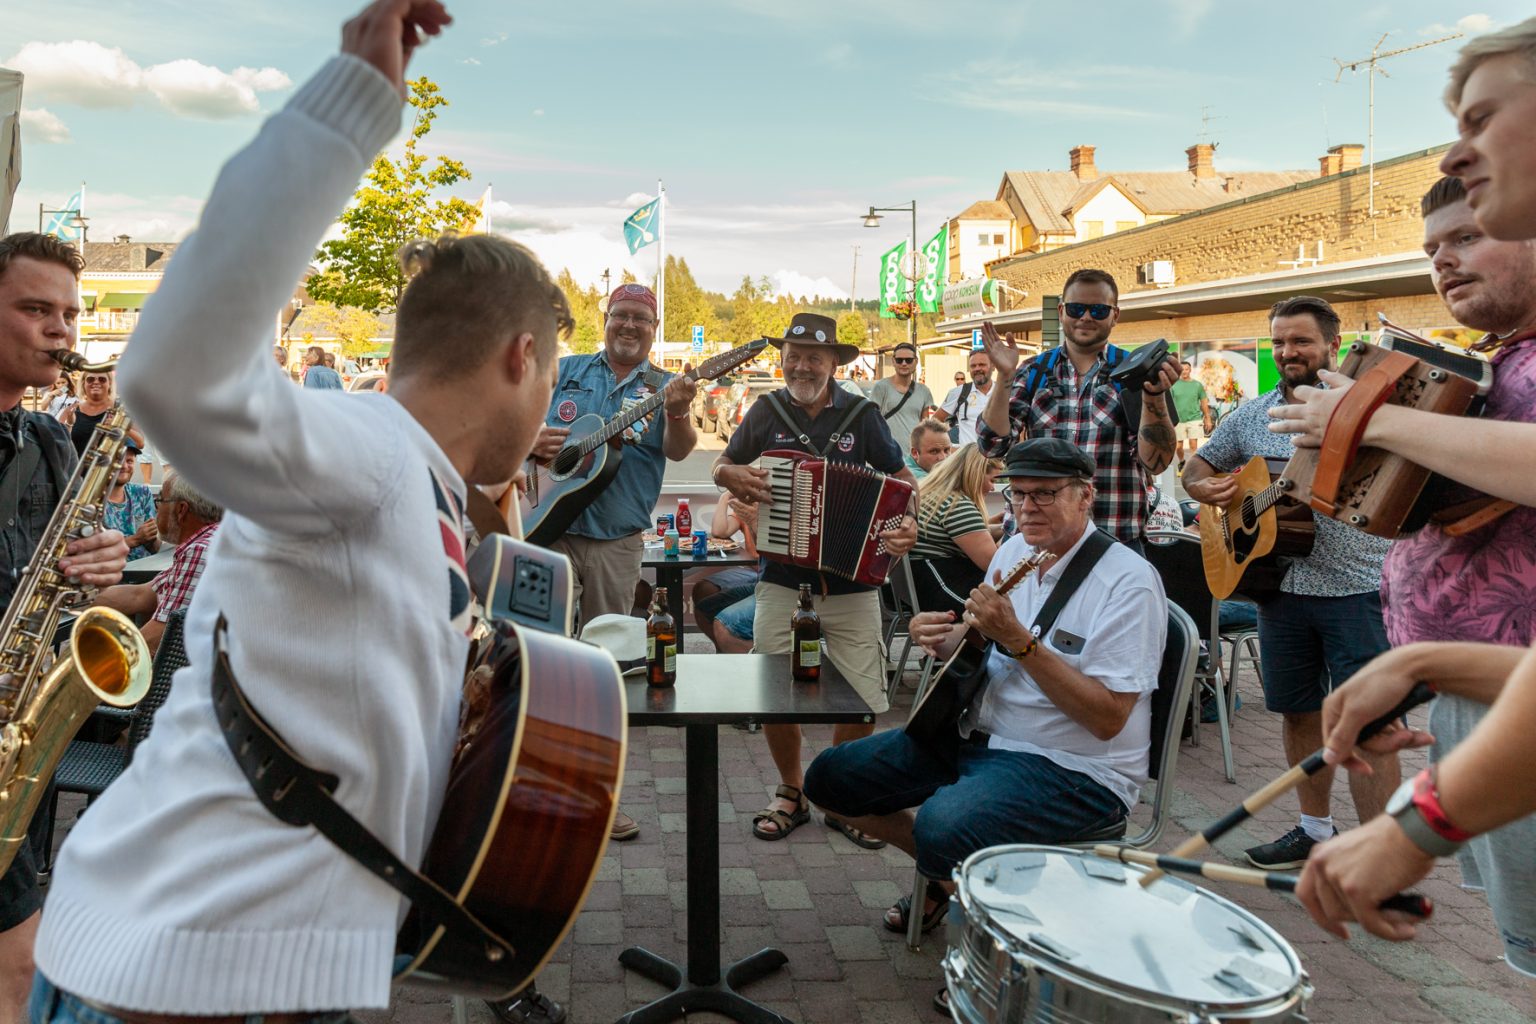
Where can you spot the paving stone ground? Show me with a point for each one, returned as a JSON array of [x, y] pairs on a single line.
[[819, 898]]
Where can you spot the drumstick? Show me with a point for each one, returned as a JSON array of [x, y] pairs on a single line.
[[1421, 693], [1410, 903]]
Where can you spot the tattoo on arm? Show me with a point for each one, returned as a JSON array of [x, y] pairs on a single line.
[[1160, 438]]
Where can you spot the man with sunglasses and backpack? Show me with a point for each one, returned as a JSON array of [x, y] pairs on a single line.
[[1066, 392], [901, 397]]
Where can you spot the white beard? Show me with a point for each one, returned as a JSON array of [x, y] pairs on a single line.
[[805, 392]]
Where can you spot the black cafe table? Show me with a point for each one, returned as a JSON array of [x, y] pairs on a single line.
[[714, 690], [670, 572], [142, 570]]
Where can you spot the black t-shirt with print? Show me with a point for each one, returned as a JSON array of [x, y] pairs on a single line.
[[867, 441]]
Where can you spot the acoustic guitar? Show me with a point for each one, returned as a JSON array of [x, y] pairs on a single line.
[[935, 721], [561, 490], [1259, 527], [534, 782]]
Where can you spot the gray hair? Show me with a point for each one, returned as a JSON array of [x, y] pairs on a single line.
[[1517, 39], [177, 489]]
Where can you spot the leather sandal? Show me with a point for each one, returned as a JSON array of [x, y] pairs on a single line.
[[784, 823], [855, 836], [895, 919]]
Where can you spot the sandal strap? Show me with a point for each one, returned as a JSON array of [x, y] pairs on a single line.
[[774, 816], [785, 791]]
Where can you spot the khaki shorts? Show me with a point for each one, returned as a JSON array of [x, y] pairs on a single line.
[[850, 626], [1194, 430], [606, 573]]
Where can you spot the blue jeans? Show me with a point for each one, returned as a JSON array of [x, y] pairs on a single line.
[[52, 1005], [998, 796], [1309, 645]]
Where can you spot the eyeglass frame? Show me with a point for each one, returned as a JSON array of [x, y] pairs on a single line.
[[903, 359], [1092, 309], [1014, 497], [632, 319]]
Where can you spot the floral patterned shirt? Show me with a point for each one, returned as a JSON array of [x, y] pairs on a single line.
[[1344, 560], [1481, 586]]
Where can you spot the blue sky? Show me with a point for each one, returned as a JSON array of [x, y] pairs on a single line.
[[773, 125]]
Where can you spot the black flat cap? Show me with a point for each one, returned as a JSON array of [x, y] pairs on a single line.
[[1047, 457]]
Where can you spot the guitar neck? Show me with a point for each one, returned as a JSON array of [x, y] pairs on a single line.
[[623, 422], [1264, 500]]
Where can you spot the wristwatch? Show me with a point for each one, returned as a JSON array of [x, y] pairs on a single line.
[[1416, 808]]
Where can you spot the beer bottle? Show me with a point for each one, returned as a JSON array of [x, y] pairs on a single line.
[[805, 626], [660, 643]]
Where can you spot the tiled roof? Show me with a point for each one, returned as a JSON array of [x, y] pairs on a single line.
[[1049, 197], [127, 257], [986, 209]]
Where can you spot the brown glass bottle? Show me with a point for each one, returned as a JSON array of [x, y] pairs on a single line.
[[805, 649], [660, 643]]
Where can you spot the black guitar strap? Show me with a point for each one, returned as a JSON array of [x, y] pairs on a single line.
[[299, 795], [1072, 577]]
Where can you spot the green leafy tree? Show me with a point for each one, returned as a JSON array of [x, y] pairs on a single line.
[[355, 328], [852, 330], [588, 335], [393, 206], [687, 305]]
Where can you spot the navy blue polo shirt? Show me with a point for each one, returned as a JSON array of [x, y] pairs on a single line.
[[587, 385], [867, 441]]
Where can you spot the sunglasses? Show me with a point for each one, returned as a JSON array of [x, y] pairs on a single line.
[[628, 318], [1097, 310], [903, 359]]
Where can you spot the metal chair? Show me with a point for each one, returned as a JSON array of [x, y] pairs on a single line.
[[903, 594], [1177, 559], [1245, 651], [1175, 683], [88, 767]]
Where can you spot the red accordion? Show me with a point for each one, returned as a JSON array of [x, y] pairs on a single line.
[[828, 515]]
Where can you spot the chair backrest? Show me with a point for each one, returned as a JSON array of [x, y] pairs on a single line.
[[1177, 559], [1170, 703], [903, 585], [171, 656]]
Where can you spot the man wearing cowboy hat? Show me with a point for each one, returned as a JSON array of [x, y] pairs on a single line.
[[604, 543], [840, 427]]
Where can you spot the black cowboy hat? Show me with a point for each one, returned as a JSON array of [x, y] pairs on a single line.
[[815, 329]]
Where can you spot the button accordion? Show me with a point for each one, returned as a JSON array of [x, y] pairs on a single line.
[[1374, 490], [828, 515]]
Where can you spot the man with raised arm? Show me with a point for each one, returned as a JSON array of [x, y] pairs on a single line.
[[344, 593]]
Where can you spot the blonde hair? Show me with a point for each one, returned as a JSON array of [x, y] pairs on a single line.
[[1517, 39], [964, 473]]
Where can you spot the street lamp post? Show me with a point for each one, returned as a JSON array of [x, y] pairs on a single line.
[[872, 220]]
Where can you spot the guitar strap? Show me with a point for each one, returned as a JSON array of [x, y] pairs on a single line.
[[299, 795], [1072, 577]]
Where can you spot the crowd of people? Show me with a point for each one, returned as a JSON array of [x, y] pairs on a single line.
[[270, 540]]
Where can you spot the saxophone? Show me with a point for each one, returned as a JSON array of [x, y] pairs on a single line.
[[43, 702]]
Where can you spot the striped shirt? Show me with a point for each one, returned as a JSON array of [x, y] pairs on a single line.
[[173, 588], [956, 516]]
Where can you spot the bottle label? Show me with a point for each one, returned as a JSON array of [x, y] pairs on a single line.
[[669, 666], [650, 648], [810, 653]]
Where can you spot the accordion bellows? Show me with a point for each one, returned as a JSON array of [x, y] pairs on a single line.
[[828, 515]]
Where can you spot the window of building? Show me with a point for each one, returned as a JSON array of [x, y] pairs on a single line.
[[1093, 229], [981, 239], [1125, 225], [997, 239]]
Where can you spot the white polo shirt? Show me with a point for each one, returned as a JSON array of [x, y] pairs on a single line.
[[1112, 630], [965, 417]]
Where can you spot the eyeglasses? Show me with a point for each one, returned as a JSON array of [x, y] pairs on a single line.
[[1043, 498], [1097, 310], [98, 380], [630, 318], [903, 359]]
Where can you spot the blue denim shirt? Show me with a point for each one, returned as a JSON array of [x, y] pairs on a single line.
[[586, 386]]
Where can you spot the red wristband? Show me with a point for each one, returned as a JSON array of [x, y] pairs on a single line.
[[682, 417], [1426, 797]]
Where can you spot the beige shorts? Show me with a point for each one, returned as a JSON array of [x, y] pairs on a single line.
[[850, 625], [1194, 430], [606, 572]]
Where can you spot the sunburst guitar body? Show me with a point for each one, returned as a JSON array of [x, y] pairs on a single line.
[[1251, 532]]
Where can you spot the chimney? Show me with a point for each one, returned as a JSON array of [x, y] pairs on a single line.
[[123, 239], [1082, 163], [1202, 159], [1349, 155], [1329, 163], [138, 257]]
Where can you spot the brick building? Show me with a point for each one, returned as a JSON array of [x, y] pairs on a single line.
[[1207, 279]]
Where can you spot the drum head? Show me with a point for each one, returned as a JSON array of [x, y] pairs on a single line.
[[1085, 915]]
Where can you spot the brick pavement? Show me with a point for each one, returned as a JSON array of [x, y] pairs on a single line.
[[819, 898]]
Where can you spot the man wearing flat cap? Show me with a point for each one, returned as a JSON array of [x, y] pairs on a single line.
[[812, 414], [1055, 748]]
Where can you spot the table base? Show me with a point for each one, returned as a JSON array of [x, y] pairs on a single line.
[[687, 997]]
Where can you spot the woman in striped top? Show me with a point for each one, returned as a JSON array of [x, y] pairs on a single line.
[[954, 545]]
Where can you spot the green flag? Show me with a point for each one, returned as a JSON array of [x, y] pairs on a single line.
[[892, 285], [931, 287], [640, 226]]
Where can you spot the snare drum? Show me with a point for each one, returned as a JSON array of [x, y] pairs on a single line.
[[1054, 935]]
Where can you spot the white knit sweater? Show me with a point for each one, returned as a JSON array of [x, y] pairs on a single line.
[[178, 892]]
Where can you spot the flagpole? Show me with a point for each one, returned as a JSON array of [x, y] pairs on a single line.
[[487, 207], [661, 268]]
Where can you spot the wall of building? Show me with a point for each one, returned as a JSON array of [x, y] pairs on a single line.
[[968, 255], [1108, 210], [1254, 236]]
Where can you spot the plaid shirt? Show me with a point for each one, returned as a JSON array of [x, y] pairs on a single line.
[[1086, 412], [173, 588]]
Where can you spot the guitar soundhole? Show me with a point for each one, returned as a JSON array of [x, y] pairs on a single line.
[[566, 461]]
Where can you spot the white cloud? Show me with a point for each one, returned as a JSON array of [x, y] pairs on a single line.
[[538, 112], [495, 40], [1188, 14], [150, 218], [470, 61], [88, 74], [41, 125], [837, 54], [795, 284], [1470, 25]]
